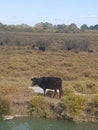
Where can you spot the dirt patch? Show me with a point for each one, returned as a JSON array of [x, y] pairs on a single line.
[[19, 101]]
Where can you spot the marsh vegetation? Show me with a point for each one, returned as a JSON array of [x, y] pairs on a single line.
[[77, 68]]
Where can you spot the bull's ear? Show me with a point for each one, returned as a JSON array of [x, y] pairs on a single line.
[[32, 79]]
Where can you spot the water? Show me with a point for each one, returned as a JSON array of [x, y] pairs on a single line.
[[44, 124]]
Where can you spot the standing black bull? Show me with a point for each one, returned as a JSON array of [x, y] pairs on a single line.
[[41, 48], [49, 83]]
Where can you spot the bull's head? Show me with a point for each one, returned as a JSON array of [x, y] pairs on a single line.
[[34, 81]]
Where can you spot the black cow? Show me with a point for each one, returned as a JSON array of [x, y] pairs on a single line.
[[33, 46], [49, 83], [41, 48], [1, 43], [90, 51]]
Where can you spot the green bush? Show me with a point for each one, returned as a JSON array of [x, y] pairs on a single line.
[[39, 107], [73, 104], [4, 107]]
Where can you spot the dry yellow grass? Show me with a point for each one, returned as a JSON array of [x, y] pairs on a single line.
[[79, 72], [18, 66]]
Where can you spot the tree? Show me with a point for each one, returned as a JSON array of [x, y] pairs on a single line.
[[42, 25], [62, 28], [96, 27], [91, 27], [73, 28], [47, 25], [84, 27]]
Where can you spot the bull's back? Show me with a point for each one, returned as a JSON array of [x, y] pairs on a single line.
[[51, 83]]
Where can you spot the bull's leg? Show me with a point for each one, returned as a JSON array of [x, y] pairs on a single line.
[[44, 91], [60, 93], [55, 93]]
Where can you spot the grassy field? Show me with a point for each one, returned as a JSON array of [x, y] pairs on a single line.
[[78, 71]]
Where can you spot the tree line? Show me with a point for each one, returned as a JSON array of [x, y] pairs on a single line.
[[49, 27]]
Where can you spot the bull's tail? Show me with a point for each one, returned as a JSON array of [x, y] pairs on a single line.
[[60, 92]]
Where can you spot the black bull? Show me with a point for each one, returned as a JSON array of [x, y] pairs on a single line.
[[49, 83]]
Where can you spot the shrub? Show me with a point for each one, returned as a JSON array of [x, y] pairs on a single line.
[[39, 107], [92, 107], [73, 104], [4, 107]]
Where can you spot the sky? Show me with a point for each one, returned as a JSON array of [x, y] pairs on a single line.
[[32, 12]]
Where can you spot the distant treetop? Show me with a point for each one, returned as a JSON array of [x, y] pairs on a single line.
[[49, 27]]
